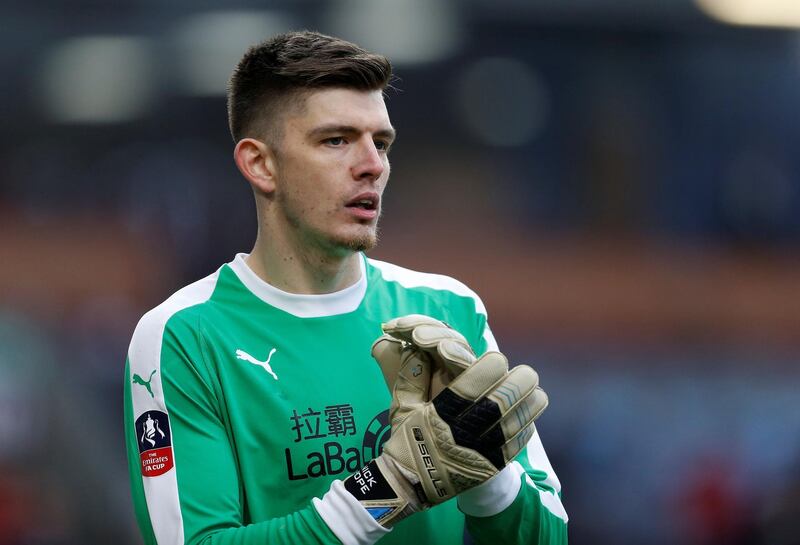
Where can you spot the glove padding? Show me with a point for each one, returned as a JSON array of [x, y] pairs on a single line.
[[439, 448], [414, 338]]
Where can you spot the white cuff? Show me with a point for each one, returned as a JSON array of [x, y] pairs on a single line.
[[494, 495], [347, 518]]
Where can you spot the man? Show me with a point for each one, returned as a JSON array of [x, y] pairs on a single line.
[[264, 417]]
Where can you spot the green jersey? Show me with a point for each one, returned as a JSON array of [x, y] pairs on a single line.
[[246, 406]]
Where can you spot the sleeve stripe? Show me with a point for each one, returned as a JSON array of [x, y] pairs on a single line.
[[144, 356], [537, 458], [491, 342], [549, 500]]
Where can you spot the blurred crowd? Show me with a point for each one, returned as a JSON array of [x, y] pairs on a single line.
[[624, 195]]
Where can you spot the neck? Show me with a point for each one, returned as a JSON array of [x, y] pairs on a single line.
[[303, 270]]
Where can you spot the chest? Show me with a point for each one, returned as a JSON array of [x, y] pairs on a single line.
[[304, 403]]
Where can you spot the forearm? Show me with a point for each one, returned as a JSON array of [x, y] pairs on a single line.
[[535, 516], [302, 526], [522, 505]]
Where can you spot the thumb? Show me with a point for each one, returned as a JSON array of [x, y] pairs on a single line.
[[387, 352], [412, 384]]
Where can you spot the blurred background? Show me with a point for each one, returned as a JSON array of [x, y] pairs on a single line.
[[619, 180]]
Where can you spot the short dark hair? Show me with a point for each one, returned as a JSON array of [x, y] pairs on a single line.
[[273, 73]]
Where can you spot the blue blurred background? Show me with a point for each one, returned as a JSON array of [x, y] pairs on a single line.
[[619, 180]]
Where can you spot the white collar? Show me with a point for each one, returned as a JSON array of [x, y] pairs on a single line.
[[302, 305]]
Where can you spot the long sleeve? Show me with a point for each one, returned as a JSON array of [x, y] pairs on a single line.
[[184, 474], [535, 514]]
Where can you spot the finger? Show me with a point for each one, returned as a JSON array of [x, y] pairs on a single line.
[[423, 331], [541, 402], [515, 445], [515, 386], [447, 346], [509, 396], [523, 413], [452, 360], [454, 357], [403, 326], [430, 335], [481, 376]]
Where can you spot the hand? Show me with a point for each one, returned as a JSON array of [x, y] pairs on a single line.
[[441, 447], [415, 339]]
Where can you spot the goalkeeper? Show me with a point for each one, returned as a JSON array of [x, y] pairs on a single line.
[[281, 400]]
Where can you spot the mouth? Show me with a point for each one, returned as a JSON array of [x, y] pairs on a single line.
[[365, 201]]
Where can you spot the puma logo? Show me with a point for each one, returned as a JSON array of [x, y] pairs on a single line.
[[146, 383], [242, 355]]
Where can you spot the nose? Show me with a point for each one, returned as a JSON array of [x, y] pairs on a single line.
[[370, 163]]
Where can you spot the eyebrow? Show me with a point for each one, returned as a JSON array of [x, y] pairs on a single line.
[[389, 133]]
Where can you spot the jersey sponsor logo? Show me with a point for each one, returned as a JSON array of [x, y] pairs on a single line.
[[136, 379], [242, 355], [332, 457], [377, 433], [155, 443]]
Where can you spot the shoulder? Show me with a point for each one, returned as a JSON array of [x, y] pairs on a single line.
[[410, 279], [437, 295], [151, 327]]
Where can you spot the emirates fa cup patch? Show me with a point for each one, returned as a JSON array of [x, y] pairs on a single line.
[[155, 443]]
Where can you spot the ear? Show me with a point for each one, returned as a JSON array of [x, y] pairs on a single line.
[[256, 162]]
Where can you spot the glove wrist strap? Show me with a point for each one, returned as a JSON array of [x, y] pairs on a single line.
[[381, 492]]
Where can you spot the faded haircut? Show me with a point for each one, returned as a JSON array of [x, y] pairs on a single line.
[[274, 76]]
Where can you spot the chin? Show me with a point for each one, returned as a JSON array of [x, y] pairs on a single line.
[[361, 242]]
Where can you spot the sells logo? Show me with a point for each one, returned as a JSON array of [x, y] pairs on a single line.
[[155, 443], [428, 463]]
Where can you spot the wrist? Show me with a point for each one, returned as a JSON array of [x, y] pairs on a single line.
[[493, 496], [382, 490], [347, 518]]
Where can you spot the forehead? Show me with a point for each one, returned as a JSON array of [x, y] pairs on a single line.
[[365, 110]]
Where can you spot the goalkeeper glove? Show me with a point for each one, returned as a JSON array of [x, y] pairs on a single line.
[[421, 338], [458, 440]]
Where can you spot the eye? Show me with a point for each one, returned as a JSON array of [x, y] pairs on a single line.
[[382, 145], [335, 140]]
